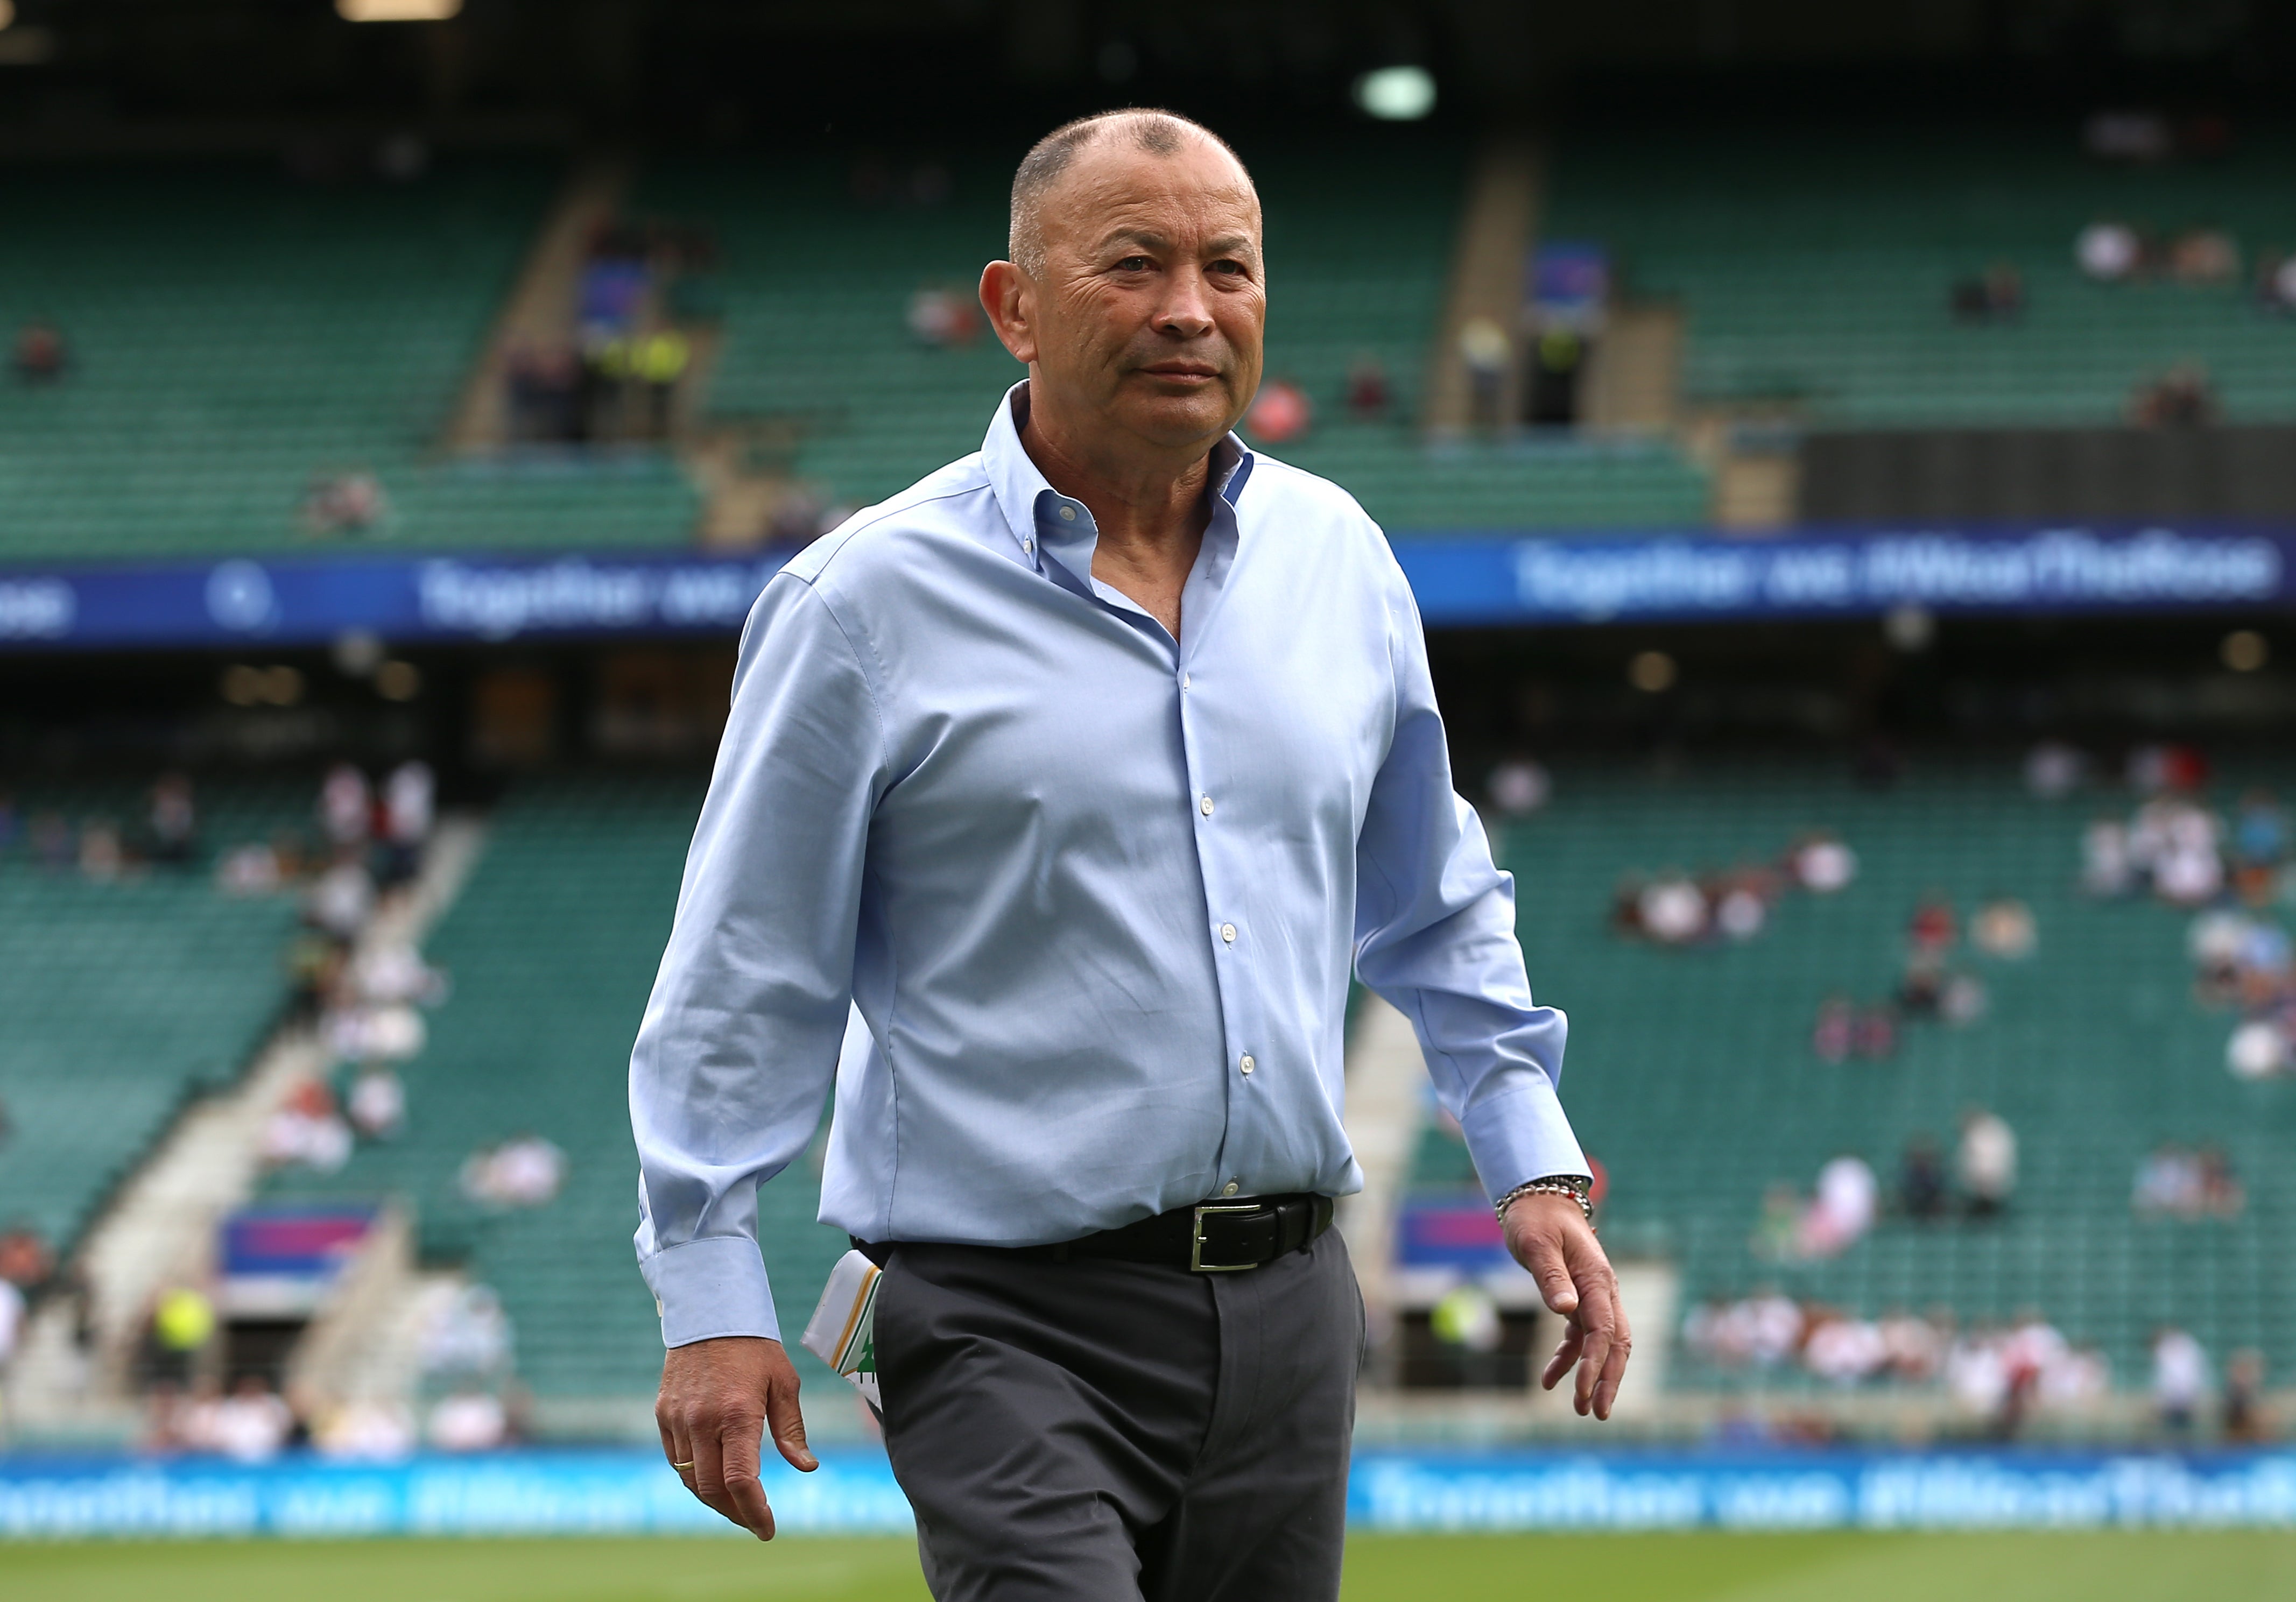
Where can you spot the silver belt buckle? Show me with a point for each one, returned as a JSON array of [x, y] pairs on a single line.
[[1196, 1263]]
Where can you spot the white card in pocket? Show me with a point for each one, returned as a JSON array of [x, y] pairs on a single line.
[[843, 1330]]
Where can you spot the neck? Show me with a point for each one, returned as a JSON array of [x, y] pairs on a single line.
[[1145, 504]]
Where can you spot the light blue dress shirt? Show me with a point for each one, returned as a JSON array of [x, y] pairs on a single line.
[[1095, 893]]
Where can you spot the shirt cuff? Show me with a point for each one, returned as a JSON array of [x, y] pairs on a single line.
[[1522, 1135], [712, 1288]]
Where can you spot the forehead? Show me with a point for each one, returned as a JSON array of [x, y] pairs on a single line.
[[1197, 190]]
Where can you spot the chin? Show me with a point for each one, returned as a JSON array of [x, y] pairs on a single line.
[[1181, 420]]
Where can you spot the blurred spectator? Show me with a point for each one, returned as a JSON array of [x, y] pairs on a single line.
[[1740, 907], [944, 317], [1920, 994], [2260, 843], [377, 1103], [1987, 1162], [102, 857], [2106, 869], [25, 1260], [2054, 769], [1832, 1035], [367, 1432], [2109, 252], [2155, 768], [1673, 908], [393, 973], [1844, 1349], [2182, 397], [2221, 1193], [466, 1331], [2260, 1049], [2003, 928], [1368, 395], [659, 362], [2180, 1378], [305, 1129], [351, 502], [1874, 1034], [2275, 283], [409, 802], [1280, 413], [2168, 1183], [1842, 1210], [2244, 1420], [2203, 256], [1921, 1180], [1775, 1230], [543, 391], [41, 356], [1486, 352], [340, 900], [252, 1423], [1519, 786], [469, 1421], [1467, 1320], [174, 821], [1932, 929], [1820, 862], [523, 1172], [1997, 295], [391, 1032], [345, 805], [1558, 365]]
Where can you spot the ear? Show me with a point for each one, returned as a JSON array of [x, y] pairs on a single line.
[[1010, 299]]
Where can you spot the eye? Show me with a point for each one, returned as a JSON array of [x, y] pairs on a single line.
[[1229, 265], [1133, 264]]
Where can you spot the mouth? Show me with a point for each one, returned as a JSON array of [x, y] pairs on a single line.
[[1182, 372]]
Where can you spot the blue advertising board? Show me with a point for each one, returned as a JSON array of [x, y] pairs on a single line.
[[1477, 580], [630, 1491]]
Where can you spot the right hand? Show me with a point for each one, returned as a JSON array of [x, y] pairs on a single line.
[[717, 1398]]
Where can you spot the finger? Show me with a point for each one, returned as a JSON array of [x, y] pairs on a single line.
[[1565, 1354], [745, 1497], [787, 1422], [1614, 1371], [707, 1475], [673, 1449], [1601, 1319]]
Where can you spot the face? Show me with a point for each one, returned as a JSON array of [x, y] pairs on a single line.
[[1148, 317]]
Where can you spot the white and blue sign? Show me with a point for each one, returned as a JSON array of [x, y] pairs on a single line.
[[627, 1492], [1459, 579]]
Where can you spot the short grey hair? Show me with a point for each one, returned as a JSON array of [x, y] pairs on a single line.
[[1158, 132]]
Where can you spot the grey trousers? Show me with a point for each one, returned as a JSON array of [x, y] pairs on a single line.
[[1092, 1431]]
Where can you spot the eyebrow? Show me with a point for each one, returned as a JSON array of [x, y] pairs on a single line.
[[1226, 244]]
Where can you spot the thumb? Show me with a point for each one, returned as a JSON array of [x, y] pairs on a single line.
[[787, 1422]]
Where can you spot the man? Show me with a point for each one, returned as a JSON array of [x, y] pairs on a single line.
[[1084, 767]]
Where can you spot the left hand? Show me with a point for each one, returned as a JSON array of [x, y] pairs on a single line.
[[1550, 1237]]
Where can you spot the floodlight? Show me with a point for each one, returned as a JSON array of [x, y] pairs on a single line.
[[397, 11], [1396, 93]]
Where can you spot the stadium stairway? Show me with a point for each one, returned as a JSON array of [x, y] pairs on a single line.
[[158, 1226], [816, 282], [302, 331]]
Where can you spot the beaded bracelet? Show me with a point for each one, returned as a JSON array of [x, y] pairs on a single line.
[[1572, 1185]]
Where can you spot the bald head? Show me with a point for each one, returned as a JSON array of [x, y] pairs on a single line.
[[1150, 132]]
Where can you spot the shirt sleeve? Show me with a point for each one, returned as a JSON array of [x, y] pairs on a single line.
[[1435, 936], [738, 1050]]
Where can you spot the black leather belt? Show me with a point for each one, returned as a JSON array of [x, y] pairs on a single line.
[[1210, 1238]]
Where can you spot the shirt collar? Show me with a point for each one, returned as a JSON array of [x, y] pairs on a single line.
[[1040, 518]]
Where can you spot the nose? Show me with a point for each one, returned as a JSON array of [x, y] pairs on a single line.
[[1186, 311]]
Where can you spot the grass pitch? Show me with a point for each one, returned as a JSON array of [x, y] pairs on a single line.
[[2178, 1567]]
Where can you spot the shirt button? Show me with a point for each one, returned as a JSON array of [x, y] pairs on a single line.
[[1205, 807], [1227, 933], [1029, 547], [1068, 514], [1230, 1189], [1247, 1065], [1185, 681]]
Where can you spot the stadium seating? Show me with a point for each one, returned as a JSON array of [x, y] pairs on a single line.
[[120, 997], [299, 329], [1691, 1075], [1816, 269], [552, 948], [816, 284]]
